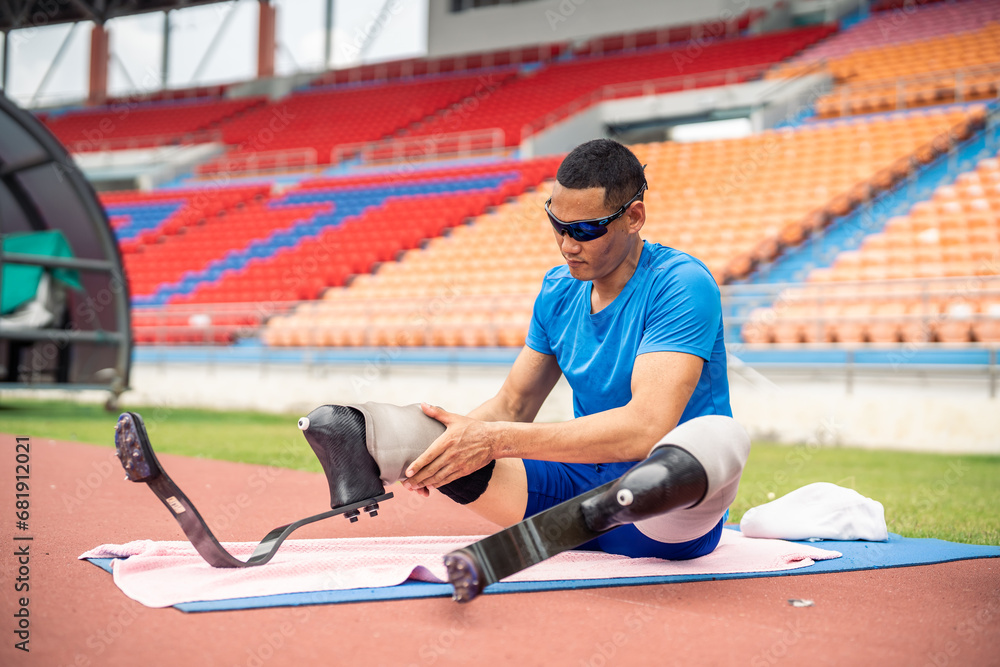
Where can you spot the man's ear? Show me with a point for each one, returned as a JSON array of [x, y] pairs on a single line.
[[636, 216]]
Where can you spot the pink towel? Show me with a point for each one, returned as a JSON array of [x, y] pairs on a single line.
[[161, 574]]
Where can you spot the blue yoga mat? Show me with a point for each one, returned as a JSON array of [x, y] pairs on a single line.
[[897, 552]]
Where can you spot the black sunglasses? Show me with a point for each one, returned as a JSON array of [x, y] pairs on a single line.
[[594, 228]]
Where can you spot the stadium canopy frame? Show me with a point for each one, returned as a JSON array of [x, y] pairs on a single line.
[[18, 14], [41, 189]]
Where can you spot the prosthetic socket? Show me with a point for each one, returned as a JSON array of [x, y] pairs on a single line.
[[683, 488], [363, 447]]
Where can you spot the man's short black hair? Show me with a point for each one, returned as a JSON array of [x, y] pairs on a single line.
[[603, 163]]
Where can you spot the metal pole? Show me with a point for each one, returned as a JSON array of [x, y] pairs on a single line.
[[5, 55], [128, 77], [213, 44], [850, 371], [380, 21], [993, 372], [52, 65], [328, 41], [165, 64]]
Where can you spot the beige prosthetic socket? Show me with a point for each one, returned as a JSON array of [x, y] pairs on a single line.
[[396, 435], [721, 446]]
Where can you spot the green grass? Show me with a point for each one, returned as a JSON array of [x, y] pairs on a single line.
[[248, 437], [951, 497]]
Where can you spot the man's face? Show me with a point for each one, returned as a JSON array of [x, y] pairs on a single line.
[[591, 260]]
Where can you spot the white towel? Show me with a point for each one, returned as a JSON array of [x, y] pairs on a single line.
[[820, 511]]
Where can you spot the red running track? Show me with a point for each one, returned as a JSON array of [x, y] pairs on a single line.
[[935, 615]]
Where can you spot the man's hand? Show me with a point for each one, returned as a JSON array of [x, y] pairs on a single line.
[[464, 447]]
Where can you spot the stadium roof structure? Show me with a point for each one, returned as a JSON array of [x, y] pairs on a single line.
[[17, 14]]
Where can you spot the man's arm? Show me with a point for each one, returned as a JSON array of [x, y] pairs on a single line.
[[528, 384], [662, 385]]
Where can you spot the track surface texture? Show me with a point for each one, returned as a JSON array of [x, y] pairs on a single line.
[[936, 615]]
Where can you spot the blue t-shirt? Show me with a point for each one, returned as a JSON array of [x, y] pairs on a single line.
[[670, 304]]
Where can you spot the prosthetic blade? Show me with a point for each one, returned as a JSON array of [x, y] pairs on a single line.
[[140, 463]]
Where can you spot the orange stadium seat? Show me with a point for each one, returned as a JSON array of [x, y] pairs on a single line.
[[947, 253], [475, 286], [935, 69]]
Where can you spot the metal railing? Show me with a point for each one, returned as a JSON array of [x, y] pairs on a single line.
[[203, 324], [261, 162], [815, 310], [937, 87], [670, 84], [351, 322], [153, 141], [434, 146]]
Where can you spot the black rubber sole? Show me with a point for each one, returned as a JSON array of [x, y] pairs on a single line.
[[133, 449], [136, 455], [464, 574]]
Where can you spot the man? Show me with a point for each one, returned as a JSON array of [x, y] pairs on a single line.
[[637, 330]]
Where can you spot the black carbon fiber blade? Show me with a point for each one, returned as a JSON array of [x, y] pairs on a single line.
[[517, 548], [141, 465]]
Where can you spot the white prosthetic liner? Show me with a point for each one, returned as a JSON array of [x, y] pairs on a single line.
[[396, 435], [721, 446]]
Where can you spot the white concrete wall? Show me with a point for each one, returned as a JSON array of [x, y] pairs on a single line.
[[906, 410], [547, 21], [775, 101]]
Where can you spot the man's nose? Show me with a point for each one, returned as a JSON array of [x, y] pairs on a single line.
[[568, 244]]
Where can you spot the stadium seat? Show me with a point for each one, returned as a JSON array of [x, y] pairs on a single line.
[[941, 262]]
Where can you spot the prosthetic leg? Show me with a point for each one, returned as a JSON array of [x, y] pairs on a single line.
[[136, 454], [361, 448], [678, 493]]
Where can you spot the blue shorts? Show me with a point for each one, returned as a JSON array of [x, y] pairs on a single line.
[[551, 483]]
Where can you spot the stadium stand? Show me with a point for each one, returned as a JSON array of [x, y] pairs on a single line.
[[931, 275], [416, 67], [544, 53], [779, 187], [132, 124], [335, 239], [527, 98], [143, 219], [473, 287], [901, 25], [320, 119], [479, 282], [934, 55], [419, 98], [293, 246], [673, 34]]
